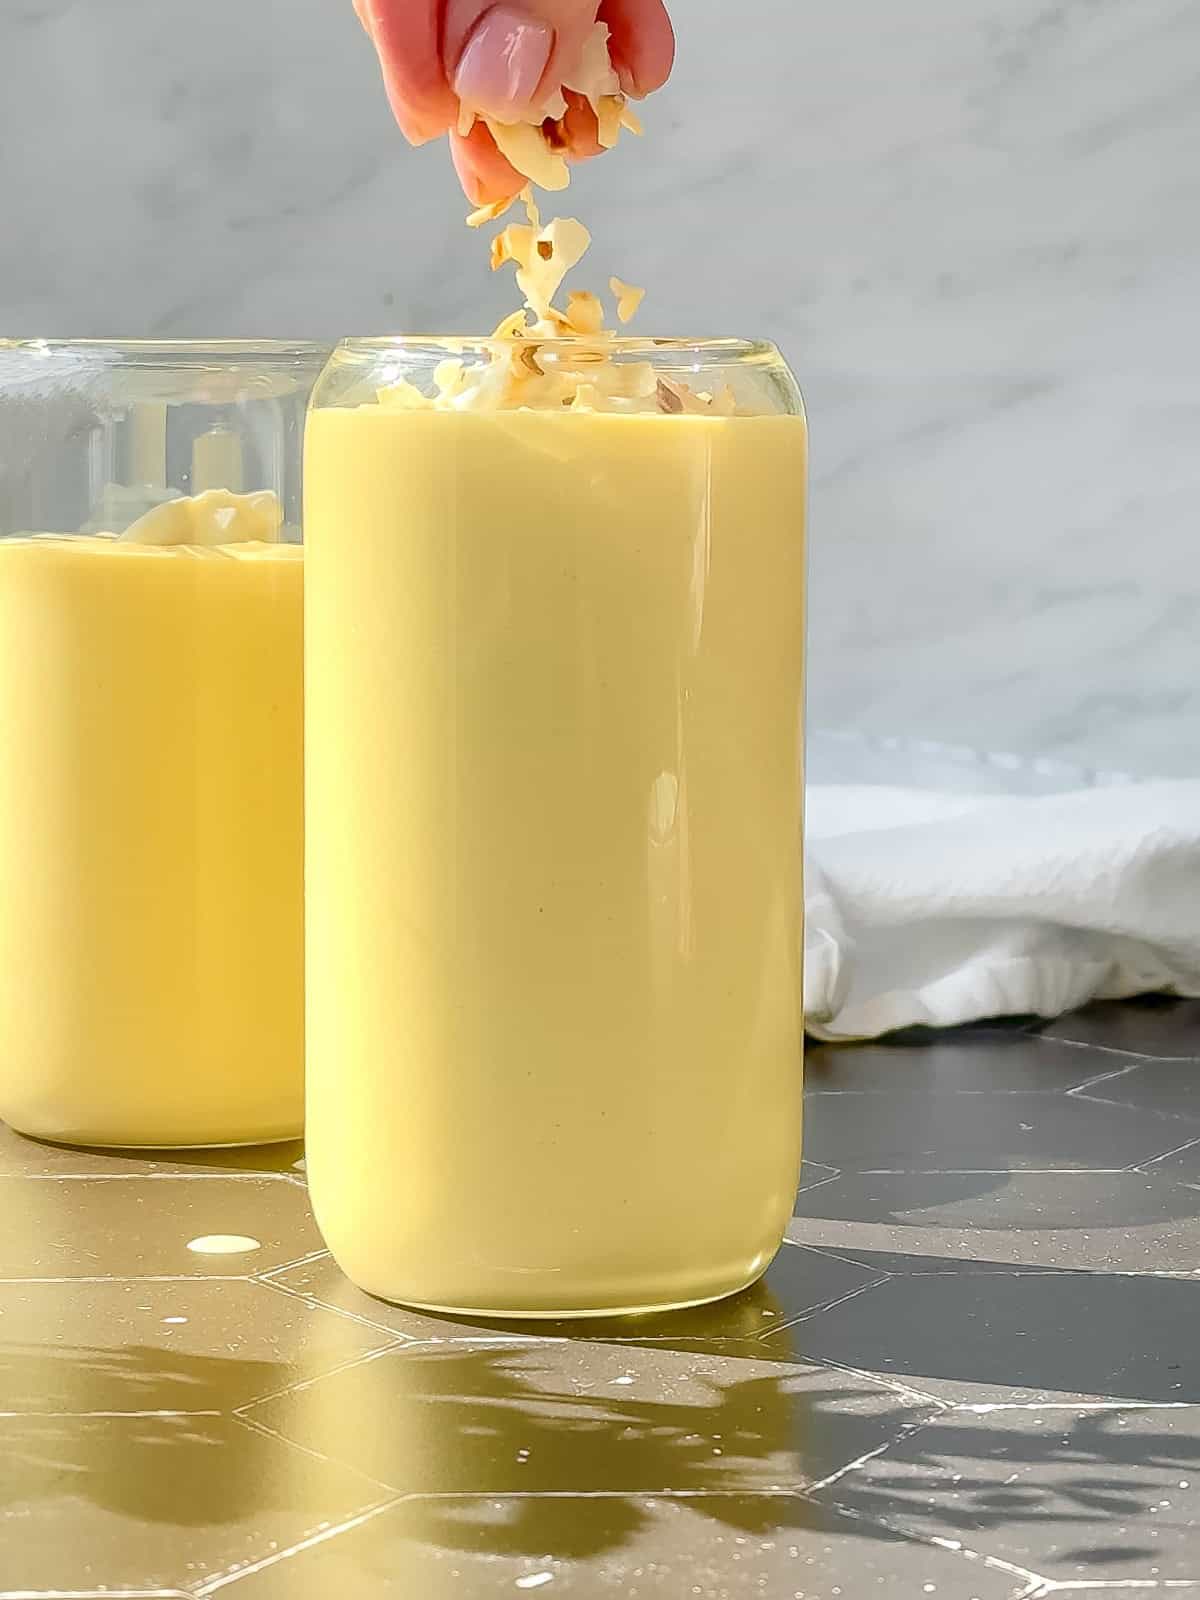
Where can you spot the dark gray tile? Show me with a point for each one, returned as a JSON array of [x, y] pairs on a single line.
[[950, 1063], [956, 1132], [987, 1222], [1079, 1496], [156, 1501], [797, 1281], [1170, 1087], [576, 1417], [1010, 1336], [188, 1345], [98, 1227], [742, 1547], [1154, 1025]]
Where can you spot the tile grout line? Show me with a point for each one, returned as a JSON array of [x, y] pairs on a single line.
[[1033, 1580], [1165, 1156], [322, 1536], [397, 1342], [828, 1305]]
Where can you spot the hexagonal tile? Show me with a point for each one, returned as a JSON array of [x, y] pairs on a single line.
[[575, 1417], [157, 1501], [93, 1227], [1078, 1495], [988, 1222], [1171, 1088], [921, 1132], [1009, 1336], [636, 1546], [187, 1345]]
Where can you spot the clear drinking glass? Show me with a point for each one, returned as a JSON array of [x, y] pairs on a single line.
[[151, 840], [554, 665]]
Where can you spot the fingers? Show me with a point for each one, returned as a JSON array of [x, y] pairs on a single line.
[[503, 62], [483, 172], [580, 128], [642, 44], [407, 38]]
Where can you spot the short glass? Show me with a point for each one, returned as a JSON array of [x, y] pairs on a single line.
[[151, 837], [554, 810]]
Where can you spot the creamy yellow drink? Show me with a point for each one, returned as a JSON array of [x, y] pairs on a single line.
[[554, 664], [151, 961]]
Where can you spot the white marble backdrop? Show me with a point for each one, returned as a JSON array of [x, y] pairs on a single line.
[[973, 225]]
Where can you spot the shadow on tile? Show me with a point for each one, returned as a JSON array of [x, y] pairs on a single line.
[[1076, 1495], [761, 1546], [153, 1501], [583, 1419]]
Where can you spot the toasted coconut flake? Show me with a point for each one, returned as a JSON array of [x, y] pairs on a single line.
[[594, 76], [466, 120], [514, 243], [492, 213], [584, 311], [630, 120], [513, 326], [628, 299], [402, 396], [524, 147], [669, 398], [608, 119]]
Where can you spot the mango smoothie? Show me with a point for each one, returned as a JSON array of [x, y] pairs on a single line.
[[151, 962], [554, 803]]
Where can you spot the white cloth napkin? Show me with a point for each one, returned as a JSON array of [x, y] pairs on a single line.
[[943, 908]]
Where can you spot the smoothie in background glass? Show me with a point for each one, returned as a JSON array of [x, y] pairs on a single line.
[[151, 877]]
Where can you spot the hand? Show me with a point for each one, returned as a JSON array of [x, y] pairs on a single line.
[[503, 60]]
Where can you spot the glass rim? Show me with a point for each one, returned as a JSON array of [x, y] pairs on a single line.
[[172, 349], [726, 349]]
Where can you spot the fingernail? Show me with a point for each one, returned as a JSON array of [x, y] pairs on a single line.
[[502, 65]]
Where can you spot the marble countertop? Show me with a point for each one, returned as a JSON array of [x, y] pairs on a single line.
[[972, 1372]]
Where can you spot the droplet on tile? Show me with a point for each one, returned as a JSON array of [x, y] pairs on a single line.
[[535, 1580], [175, 1321], [223, 1244]]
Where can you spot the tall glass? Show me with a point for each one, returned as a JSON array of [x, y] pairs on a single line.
[[554, 668], [151, 842]]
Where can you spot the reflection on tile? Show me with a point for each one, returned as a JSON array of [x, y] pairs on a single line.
[[139, 1227], [1151, 1026], [453, 1418], [960, 1061], [156, 1501], [988, 1222], [1079, 1496], [188, 1345], [1170, 1087], [921, 1131], [797, 1281], [740, 1547], [994, 1336]]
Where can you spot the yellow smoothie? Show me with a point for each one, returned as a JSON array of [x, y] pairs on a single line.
[[554, 796], [151, 944]]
